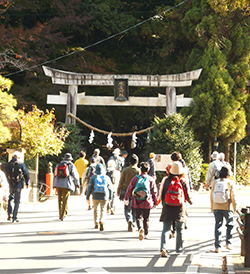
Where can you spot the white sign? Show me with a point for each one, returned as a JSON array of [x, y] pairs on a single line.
[[161, 161]]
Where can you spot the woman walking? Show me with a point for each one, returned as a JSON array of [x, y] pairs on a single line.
[[175, 210]]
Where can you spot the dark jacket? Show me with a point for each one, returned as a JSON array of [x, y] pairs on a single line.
[[25, 179], [174, 213], [126, 176], [99, 196], [152, 167]]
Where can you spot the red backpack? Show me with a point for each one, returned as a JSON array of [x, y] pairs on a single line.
[[175, 193]]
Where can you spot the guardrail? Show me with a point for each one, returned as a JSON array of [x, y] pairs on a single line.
[[244, 233]]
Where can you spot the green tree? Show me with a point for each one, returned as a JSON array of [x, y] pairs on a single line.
[[74, 143], [216, 109], [7, 109], [39, 135], [173, 133]]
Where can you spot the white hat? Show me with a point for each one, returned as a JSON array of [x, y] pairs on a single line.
[[17, 154], [215, 155], [177, 168], [116, 151]]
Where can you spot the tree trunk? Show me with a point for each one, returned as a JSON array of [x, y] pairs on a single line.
[[227, 151]]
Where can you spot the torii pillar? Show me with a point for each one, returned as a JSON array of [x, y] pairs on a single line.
[[170, 101]]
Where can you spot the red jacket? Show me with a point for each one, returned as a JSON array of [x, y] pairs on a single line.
[[150, 202]]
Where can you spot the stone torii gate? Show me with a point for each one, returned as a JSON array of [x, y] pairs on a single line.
[[121, 84]]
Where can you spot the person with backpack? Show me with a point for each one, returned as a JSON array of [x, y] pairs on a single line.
[[126, 176], [17, 175], [222, 196], [143, 190], [214, 168], [114, 168], [100, 186], [175, 194], [66, 179]]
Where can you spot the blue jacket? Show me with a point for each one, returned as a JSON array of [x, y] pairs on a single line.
[[68, 182], [100, 196], [26, 176]]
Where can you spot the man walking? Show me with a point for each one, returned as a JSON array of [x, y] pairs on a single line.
[[100, 186], [214, 168], [17, 174], [66, 179], [222, 198], [81, 165], [126, 176], [144, 191]]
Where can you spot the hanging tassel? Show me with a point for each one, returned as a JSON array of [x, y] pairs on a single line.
[[110, 141], [134, 140], [91, 136]]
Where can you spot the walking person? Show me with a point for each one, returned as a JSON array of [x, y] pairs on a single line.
[[176, 156], [89, 173], [100, 187], [17, 175], [222, 196], [66, 179], [151, 162], [4, 190], [97, 158], [114, 164], [143, 190], [214, 168], [126, 176], [174, 208], [81, 164]]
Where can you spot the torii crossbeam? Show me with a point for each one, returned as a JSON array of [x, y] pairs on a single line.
[[73, 80]]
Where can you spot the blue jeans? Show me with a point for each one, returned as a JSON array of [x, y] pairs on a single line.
[[129, 213], [228, 215], [14, 196], [165, 235]]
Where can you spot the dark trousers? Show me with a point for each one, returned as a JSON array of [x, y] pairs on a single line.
[[63, 197], [14, 196], [142, 219]]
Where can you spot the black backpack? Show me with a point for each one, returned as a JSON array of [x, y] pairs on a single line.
[[15, 172]]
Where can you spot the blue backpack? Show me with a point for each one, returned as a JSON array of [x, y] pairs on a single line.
[[100, 184], [142, 188]]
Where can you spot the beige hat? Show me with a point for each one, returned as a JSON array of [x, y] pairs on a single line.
[[177, 168]]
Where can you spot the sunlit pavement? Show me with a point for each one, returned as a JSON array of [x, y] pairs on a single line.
[[40, 243]]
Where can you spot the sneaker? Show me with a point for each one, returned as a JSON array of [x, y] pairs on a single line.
[[112, 212], [141, 232], [145, 236], [229, 247], [96, 226], [130, 226], [9, 218], [217, 250], [101, 226], [15, 221], [89, 208], [163, 253]]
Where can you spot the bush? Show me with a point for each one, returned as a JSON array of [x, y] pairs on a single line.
[[243, 166], [204, 168], [172, 133]]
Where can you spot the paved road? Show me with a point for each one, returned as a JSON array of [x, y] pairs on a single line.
[[41, 243]]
